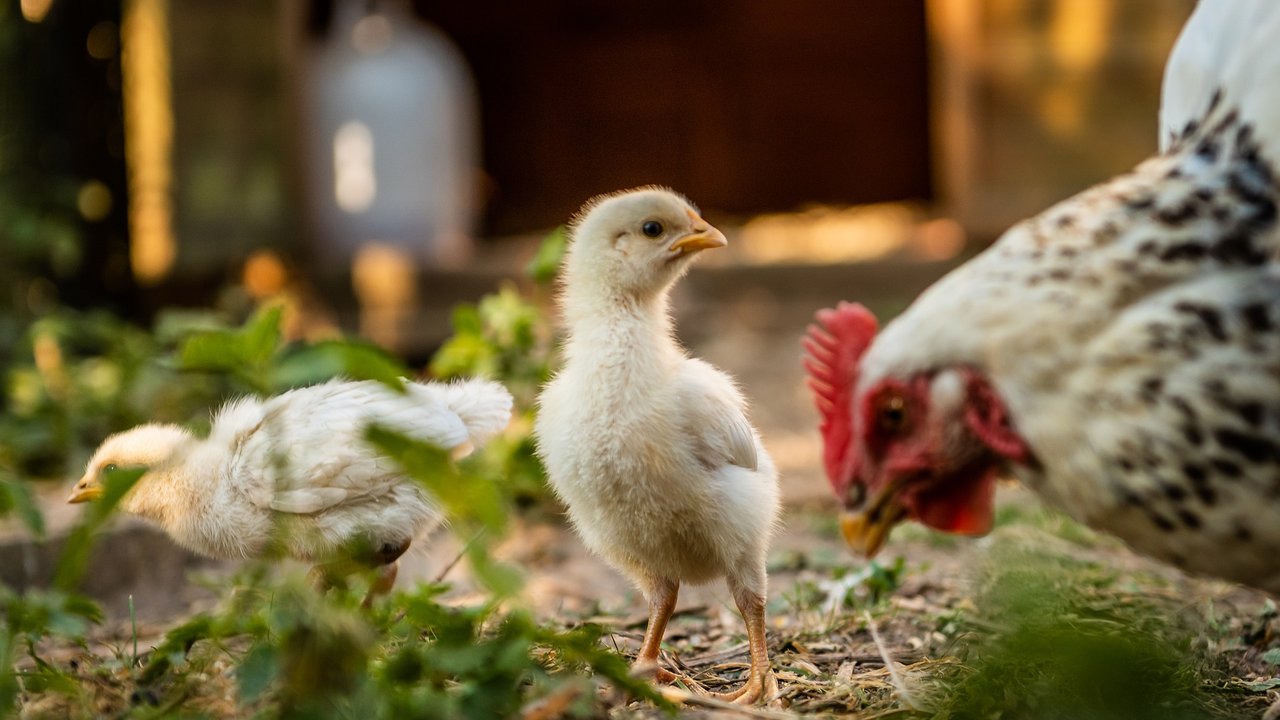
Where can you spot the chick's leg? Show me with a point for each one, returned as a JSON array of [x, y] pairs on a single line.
[[750, 598], [661, 594]]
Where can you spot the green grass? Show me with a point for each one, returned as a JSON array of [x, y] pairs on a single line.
[[1053, 638]]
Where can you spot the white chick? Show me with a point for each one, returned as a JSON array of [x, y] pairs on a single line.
[[295, 470], [650, 449]]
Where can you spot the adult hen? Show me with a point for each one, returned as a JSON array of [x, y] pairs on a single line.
[[295, 469], [1120, 351], [650, 449]]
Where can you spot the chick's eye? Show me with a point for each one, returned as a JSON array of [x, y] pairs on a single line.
[[109, 468], [892, 414], [651, 228]]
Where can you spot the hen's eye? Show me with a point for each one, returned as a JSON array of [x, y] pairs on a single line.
[[651, 228], [892, 415]]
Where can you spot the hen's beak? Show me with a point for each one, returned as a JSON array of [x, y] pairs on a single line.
[[84, 491], [867, 529], [703, 237]]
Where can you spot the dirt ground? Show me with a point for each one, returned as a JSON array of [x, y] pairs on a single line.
[[825, 656]]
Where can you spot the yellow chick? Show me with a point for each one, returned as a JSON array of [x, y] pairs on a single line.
[[650, 449], [295, 469]]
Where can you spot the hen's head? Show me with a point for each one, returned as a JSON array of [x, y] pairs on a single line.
[[925, 446], [635, 242]]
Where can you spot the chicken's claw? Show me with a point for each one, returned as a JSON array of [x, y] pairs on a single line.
[[759, 686]]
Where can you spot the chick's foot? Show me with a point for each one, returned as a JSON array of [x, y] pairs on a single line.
[[760, 684]]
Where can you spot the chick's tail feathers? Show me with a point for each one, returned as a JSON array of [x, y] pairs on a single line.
[[483, 406]]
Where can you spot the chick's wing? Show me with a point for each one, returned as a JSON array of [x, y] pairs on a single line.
[[714, 417], [307, 452]]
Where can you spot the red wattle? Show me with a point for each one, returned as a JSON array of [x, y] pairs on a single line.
[[962, 505], [989, 420]]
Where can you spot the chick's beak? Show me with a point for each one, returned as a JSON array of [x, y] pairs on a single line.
[[84, 491], [703, 237], [866, 529]]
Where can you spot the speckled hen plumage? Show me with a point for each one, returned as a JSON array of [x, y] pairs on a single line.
[[1131, 334]]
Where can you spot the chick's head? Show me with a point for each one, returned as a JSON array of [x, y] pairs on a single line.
[[636, 242], [149, 446]]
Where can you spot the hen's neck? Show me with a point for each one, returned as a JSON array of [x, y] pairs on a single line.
[[1027, 306]]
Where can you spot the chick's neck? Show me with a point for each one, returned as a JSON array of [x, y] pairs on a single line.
[[637, 328], [174, 490]]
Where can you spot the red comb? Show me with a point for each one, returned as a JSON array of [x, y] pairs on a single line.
[[834, 345]]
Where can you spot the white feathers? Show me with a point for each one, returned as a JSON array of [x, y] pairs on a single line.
[[300, 459], [1228, 47], [1133, 331], [651, 450], [714, 416], [483, 407]]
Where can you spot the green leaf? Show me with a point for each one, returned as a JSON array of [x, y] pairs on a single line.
[[256, 672], [546, 263], [1272, 657], [173, 649], [49, 679], [465, 356], [325, 360], [38, 613], [8, 687], [1263, 685], [581, 646], [508, 318], [465, 498], [16, 495], [502, 580], [214, 351], [75, 554], [466, 321], [244, 353], [173, 325], [261, 334]]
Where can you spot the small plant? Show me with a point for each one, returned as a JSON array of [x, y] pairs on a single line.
[[864, 588], [296, 652], [507, 336], [1057, 638]]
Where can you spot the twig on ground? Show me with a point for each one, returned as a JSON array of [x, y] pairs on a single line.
[[441, 575], [907, 698]]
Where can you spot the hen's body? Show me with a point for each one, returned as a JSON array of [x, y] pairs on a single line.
[[1133, 331], [1134, 335]]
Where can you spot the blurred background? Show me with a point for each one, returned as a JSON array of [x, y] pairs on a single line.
[[383, 159], [370, 164]]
